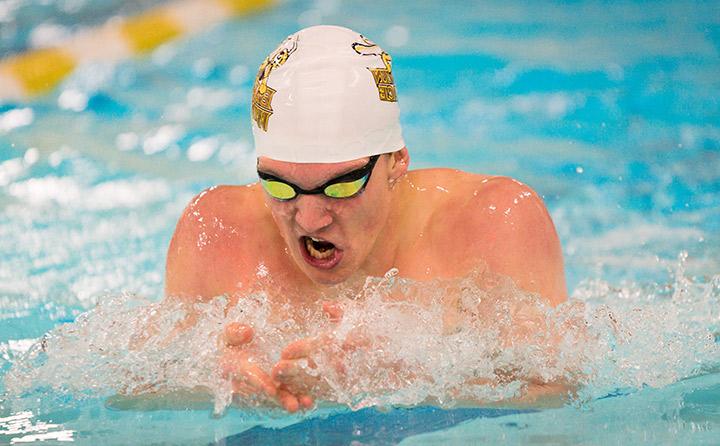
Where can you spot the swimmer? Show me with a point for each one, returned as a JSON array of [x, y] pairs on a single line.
[[335, 203]]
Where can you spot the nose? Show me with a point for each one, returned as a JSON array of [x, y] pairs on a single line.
[[312, 214]]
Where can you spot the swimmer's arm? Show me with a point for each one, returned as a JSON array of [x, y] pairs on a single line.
[[535, 395], [214, 247], [540, 395], [186, 274], [183, 267], [508, 227]]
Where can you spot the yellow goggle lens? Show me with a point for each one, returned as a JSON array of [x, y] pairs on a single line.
[[278, 190], [345, 190]]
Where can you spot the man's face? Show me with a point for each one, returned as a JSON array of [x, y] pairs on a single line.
[[330, 238]]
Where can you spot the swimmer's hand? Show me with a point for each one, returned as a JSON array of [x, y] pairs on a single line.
[[239, 364], [298, 369]]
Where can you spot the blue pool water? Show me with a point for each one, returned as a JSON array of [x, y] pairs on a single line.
[[611, 111]]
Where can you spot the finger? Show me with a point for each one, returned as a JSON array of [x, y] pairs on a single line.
[[237, 334], [333, 310], [299, 349], [254, 376], [280, 372], [355, 340], [286, 370], [288, 401], [306, 401], [242, 388], [238, 368]]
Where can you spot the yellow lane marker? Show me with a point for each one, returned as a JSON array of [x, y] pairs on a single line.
[[145, 32], [40, 70]]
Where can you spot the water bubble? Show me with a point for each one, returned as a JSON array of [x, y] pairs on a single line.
[[48, 35], [203, 149], [31, 156], [73, 100], [162, 138], [10, 170], [18, 117]]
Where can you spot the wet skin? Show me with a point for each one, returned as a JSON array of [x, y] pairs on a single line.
[[432, 223]]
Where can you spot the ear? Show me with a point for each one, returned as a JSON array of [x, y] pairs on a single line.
[[398, 164]]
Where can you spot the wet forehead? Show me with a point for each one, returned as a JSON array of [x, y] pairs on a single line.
[[308, 174]]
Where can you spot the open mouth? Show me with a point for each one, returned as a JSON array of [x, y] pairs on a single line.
[[320, 253], [319, 249]]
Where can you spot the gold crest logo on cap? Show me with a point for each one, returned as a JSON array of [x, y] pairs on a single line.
[[262, 93], [383, 76]]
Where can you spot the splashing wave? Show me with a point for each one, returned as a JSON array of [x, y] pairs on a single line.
[[448, 342]]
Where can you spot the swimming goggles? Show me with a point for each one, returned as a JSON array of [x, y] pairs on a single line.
[[345, 186]]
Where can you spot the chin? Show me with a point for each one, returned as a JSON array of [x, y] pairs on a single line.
[[328, 278]]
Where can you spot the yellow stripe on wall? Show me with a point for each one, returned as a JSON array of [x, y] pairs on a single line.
[[147, 31], [40, 70]]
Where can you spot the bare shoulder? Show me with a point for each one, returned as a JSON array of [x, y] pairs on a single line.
[[496, 204], [215, 212], [505, 224], [468, 195], [506, 198], [208, 237]]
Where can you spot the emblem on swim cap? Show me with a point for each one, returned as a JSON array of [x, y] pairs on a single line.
[[262, 94], [383, 76], [325, 95]]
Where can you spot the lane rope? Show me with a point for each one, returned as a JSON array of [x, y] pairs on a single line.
[[38, 71]]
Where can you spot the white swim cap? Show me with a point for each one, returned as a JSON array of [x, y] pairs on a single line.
[[325, 95]]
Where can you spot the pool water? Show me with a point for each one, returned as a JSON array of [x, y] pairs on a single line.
[[611, 111]]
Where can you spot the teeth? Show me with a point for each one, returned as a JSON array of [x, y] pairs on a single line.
[[316, 253]]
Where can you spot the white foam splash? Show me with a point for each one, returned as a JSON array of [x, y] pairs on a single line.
[[445, 342], [25, 430]]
